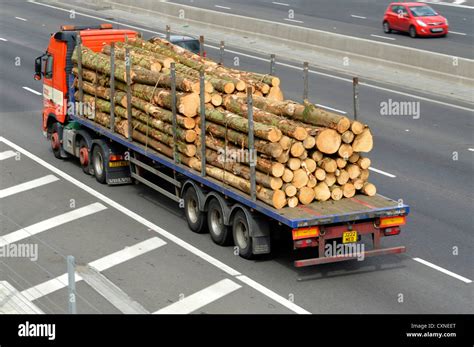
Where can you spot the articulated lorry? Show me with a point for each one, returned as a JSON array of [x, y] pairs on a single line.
[[209, 205]]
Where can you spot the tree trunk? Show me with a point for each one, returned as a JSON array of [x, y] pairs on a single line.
[[147, 62]]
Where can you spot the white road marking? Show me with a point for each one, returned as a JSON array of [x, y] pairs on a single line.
[[7, 154], [13, 302], [381, 172], [22, 187], [23, 19], [32, 91], [266, 59], [383, 37], [293, 20], [457, 33], [2, 39], [201, 298], [453, 4], [331, 108], [166, 234], [50, 223], [101, 264], [280, 3], [356, 16], [443, 270], [471, 149], [223, 7]]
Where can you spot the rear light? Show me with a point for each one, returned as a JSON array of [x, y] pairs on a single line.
[[305, 243], [305, 233], [386, 222], [391, 231], [115, 157], [68, 27], [106, 26]]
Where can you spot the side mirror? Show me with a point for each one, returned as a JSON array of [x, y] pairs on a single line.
[[38, 61]]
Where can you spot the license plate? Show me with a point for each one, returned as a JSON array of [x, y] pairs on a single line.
[[436, 30], [118, 163], [349, 237]]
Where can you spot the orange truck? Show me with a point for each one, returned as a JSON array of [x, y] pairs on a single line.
[[335, 230]]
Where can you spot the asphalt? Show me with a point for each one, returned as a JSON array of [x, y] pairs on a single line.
[[419, 152], [338, 16]]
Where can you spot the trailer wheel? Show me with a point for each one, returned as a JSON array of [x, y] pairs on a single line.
[[219, 232], [55, 143], [241, 233], [84, 158], [194, 216], [98, 163]]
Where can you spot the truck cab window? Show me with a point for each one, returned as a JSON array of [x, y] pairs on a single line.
[[48, 66]]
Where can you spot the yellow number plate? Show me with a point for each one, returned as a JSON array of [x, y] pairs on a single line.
[[349, 237], [118, 163]]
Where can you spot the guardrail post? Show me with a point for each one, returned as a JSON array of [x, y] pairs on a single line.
[[71, 272], [112, 86], [221, 53], [173, 108], [252, 157], [305, 81], [201, 45], [272, 64], [168, 32], [79, 69], [129, 92], [355, 92], [202, 107]]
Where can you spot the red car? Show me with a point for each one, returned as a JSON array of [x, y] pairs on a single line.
[[416, 18]]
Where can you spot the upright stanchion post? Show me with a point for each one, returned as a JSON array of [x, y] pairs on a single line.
[[272, 64], [71, 275], [252, 155], [201, 45], [221, 53], [355, 92], [168, 32], [79, 69], [202, 112], [305, 81], [112, 86], [129, 92], [173, 108]]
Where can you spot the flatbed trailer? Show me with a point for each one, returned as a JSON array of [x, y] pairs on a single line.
[[230, 215]]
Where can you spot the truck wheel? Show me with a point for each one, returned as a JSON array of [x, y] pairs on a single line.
[[196, 218], [219, 232], [241, 233], [55, 143], [84, 158], [98, 163]]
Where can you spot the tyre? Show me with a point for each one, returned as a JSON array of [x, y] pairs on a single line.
[[55, 142], [386, 28], [196, 218], [241, 235], [412, 32], [84, 157], [98, 163], [219, 232]]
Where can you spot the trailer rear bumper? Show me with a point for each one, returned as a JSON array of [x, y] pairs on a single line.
[[372, 253]]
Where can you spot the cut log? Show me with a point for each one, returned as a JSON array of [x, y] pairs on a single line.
[[287, 176], [297, 149], [304, 155], [358, 183], [354, 158], [328, 141], [309, 142], [357, 127], [368, 189], [294, 164], [336, 193], [309, 164], [320, 174], [353, 170], [285, 142], [328, 164], [293, 202], [341, 163], [363, 142], [364, 163], [147, 62], [275, 93], [216, 99], [289, 189], [364, 174], [347, 136], [164, 60], [330, 179], [300, 178], [348, 190], [317, 156], [312, 182], [306, 195], [343, 177], [322, 192], [345, 151], [284, 157]]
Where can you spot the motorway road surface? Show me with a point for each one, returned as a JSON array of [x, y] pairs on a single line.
[[355, 18], [165, 262]]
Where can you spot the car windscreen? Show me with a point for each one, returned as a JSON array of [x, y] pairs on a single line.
[[192, 46], [422, 11]]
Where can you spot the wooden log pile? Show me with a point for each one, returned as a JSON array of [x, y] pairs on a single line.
[[302, 153]]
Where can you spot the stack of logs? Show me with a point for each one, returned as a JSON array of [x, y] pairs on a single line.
[[302, 153]]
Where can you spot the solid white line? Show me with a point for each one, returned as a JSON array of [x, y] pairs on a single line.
[[50, 223], [7, 154], [12, 302], [293, 20], [22, 187], [197, 252], [449, 4], [355, 16], [224, 7], [2, 39], [201, 298], [280, 3], [457, 33], [266, 59], [32, 91], [331, 108], [383, 37], [381, 172], [471, 149], [443, 270], [23, 19], [105, 263]]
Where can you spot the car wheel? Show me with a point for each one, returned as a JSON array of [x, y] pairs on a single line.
[[412, 32], [386, 28]]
